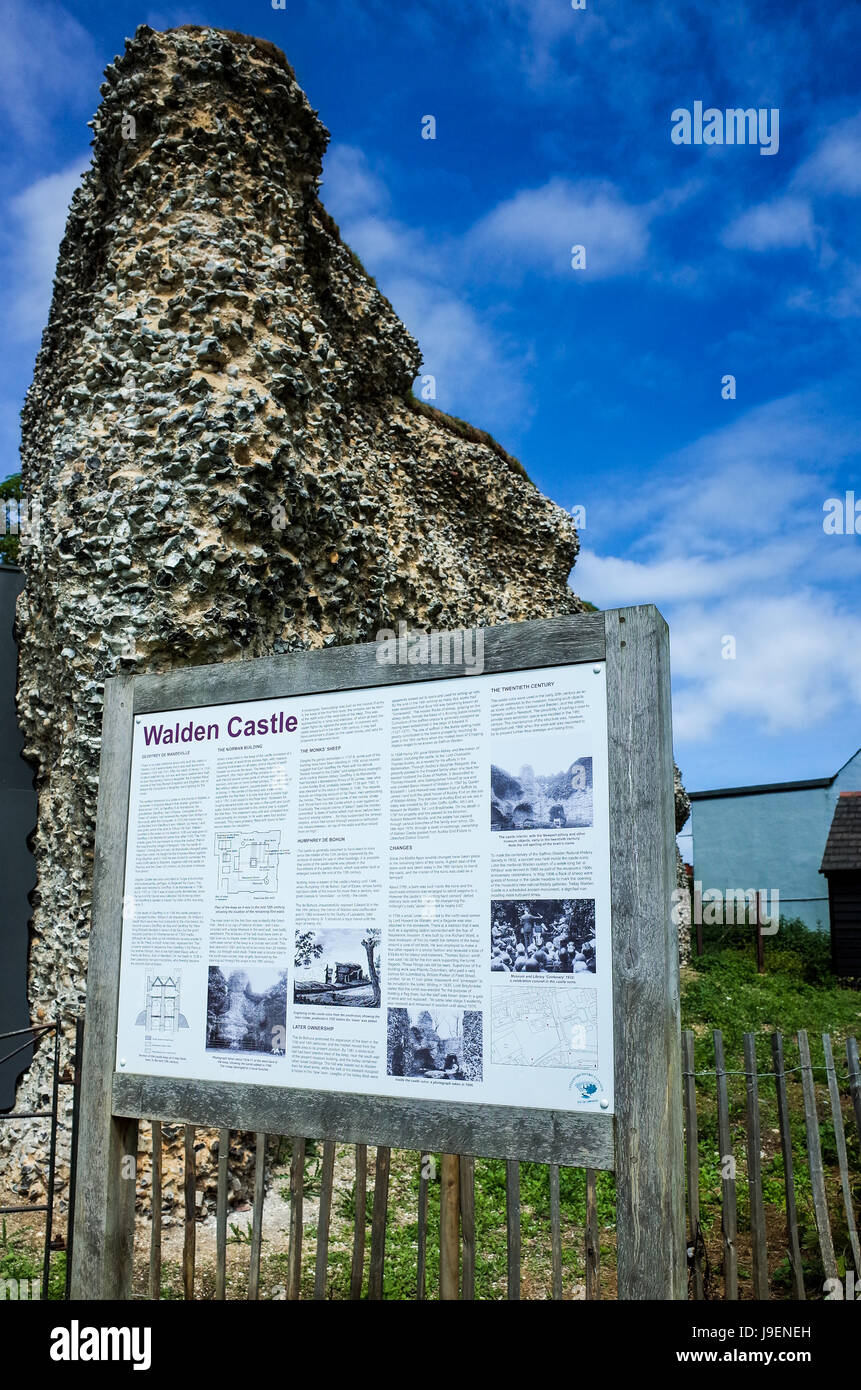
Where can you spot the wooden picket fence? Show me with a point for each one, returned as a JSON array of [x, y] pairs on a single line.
[[753, 1231], [793, 1090]]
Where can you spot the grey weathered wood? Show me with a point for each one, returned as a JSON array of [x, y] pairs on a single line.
[[221, 1215], [297, 1194], [729, 1203], [854, 1080], [648, 1153], [593, 1241], [257, 1217], [555, 1231], [759, 1248], [507, 647], [842, 1156], [467, 1227], [361, 1189], [814, 1156], [155, 1229], [189, 1187], [321, 1265], [449, 1228], [382, 1164], [105, 1202], [487, 1131], [512, 1222], [692, 1154], [425, 1165], [785, 1125], [650, 1186]]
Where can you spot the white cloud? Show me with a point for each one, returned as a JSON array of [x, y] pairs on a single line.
[[36, 223], [783, 224], [797, 663], [732, 544], [835, 165], [46, 59], [478, 373], [536, 229], [350, 188]]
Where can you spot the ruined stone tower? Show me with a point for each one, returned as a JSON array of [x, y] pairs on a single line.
[[223, 441]]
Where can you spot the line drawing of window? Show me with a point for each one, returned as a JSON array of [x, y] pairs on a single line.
[[162, 1003]]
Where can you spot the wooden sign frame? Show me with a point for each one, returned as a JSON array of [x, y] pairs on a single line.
[[641, 1142]]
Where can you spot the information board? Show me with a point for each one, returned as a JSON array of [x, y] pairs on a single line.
[[402, 890]]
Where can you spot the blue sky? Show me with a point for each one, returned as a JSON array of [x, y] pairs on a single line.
[[553, 129]]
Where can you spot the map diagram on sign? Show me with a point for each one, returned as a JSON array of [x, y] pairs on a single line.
[[544, 1027], [247, 862]]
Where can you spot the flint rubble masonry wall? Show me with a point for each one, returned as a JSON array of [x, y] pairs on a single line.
[[220, 436]]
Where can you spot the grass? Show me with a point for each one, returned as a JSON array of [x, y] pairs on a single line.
[[797, 991], [722, 990], [21, 1258]]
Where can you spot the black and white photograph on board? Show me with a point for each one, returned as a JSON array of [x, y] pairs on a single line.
[[338, 967], [246, 1008], [553, 936], [532, 788], [435, 1044]]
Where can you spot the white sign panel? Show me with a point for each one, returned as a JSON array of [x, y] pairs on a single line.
[[402, 891]]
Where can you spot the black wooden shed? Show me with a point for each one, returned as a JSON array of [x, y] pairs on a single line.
[[841, 865]]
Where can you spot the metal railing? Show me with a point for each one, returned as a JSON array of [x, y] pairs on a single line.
[[34, 1034]]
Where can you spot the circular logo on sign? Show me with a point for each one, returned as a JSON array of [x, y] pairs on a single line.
[[587, 1087]]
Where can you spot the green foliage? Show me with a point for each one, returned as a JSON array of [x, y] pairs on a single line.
[[794, 949], [464, 430], [797, 991], [238, 1236], [21, 1258]]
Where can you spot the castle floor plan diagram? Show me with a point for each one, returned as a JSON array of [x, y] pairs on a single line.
[[248, 863]]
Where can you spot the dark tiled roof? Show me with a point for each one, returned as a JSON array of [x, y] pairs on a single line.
[[843, 848], [764, 787]]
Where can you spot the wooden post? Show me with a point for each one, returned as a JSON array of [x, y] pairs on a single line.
[[729, 1208], [512, 1221], [107, 1153], [221, 1215], [842, 1156], [361, 1189], [814, 1156], [449, 1228], [379, 1218], [190, 1195], [467, 1224], [155, 1229], [593, 1237], [788, 1165], [324, 1218], [758, 1243], [297, 1193], [650, 1175], [692, 1152], [854, 1080], [257, 1217], [555, 1231]]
